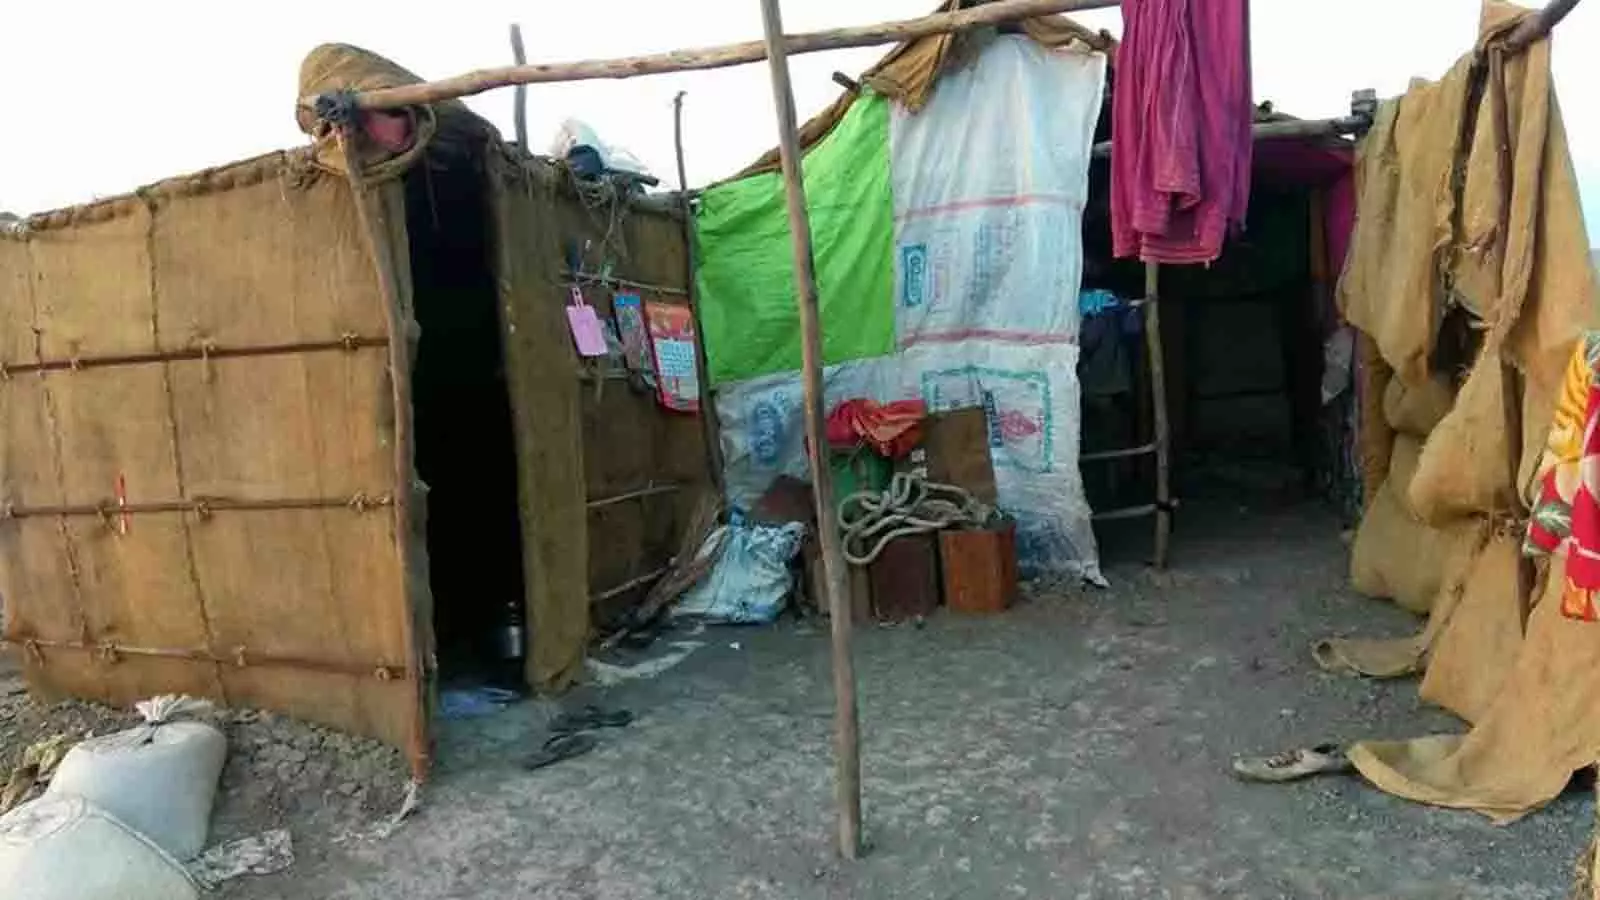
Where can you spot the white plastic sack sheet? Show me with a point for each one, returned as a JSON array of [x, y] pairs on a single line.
[[990, 179], [160, 778], [61, 847], [751, 581]]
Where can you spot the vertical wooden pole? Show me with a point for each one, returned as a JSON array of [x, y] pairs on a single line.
[[520, 113], [847, 749], [708, 410], [375, 228], [1158, 402]]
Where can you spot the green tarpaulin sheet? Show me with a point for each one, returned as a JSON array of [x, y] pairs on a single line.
[[745, 286]]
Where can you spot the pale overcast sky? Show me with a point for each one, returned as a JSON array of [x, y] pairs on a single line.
[[106, 96]]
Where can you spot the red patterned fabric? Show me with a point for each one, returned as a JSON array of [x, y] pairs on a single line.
[[890, 429], [1566, 516]]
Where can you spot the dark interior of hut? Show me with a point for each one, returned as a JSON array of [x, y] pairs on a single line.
[[464, 444], [1243, 350]]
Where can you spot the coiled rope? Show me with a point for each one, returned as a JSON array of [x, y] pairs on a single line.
[[869, 520]]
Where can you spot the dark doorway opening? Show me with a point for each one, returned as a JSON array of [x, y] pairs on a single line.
[[464, 444]]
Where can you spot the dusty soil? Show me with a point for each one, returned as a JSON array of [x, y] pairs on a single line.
[[321, 784], [1075, 747]]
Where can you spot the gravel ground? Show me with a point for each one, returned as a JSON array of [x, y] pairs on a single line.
[[1075, 747], [321, 784]]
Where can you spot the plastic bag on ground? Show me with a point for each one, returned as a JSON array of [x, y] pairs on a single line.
[[62, 847], [751, 581], [160, 778]]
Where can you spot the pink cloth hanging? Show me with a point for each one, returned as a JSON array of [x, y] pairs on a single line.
[[1180, 129]]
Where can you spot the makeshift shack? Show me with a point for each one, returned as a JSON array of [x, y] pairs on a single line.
[[960, 213], [941, 278], [1257, 393], [271, 440]]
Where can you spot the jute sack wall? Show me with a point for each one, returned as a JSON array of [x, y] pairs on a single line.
[[1396, 555], [1477, 644], [1402, 656], [1375, 437], [1417, 409], [1404, 458], [1464, 469], [1543, 725]]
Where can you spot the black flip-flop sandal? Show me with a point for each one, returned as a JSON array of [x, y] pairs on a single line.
[[589, 718], [560, 747]]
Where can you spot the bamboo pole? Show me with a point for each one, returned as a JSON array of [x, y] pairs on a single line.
[[847, 749], [708, 409], [714, 57], [1158, 402], [520, 114]]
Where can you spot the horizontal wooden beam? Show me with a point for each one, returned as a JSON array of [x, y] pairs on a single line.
[[1286, 129], [649, 490], [714, 57], [610, 280], [110, 652], [631, 584], [204, 507], [1124, 453], [201, 352]]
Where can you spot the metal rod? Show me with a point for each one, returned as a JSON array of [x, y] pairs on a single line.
[[709, 428], [520, 112], [592, 278], [630, 584], [242, 658], [847, 750], [715, 57], [1126, 452], [376, 230], [205, 506], [649, 490], [1158, 402], [348, 342]]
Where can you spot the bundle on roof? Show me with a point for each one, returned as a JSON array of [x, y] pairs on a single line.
[[448, 128]]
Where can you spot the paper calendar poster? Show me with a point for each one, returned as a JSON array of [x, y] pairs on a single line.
[[672, 340], [635, 337]]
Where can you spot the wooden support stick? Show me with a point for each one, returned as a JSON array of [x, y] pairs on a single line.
[[715, 57], [1158, 402], [1538, 25], [847, 750], [708, 408], [1291, 128], [375, 229], [520, 113]]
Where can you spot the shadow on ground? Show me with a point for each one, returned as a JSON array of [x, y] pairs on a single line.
[[1075, 747]]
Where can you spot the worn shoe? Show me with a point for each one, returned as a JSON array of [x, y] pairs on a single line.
[[1292, 765]]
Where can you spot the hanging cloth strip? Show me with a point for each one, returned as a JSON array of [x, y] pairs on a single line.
[[1180, 129]]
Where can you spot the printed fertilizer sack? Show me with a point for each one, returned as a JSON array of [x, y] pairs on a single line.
[[1030, 401]]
